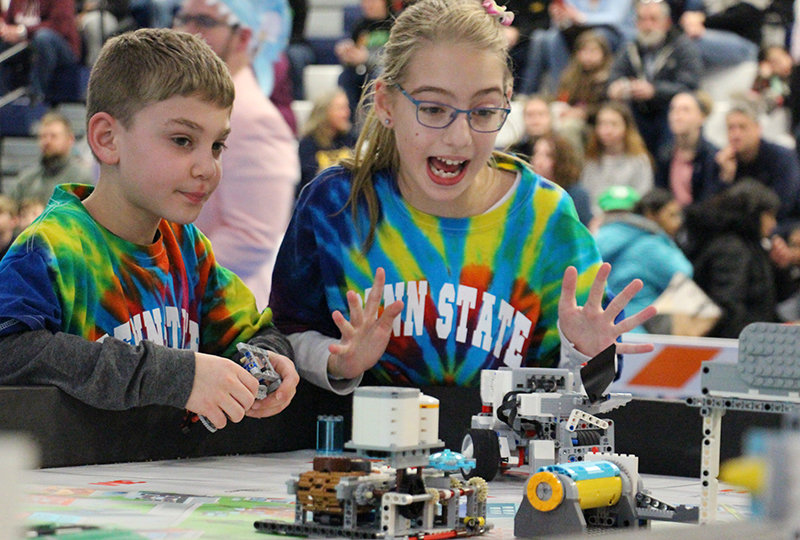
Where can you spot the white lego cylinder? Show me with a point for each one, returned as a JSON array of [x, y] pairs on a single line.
[[428, 419], [386, 416]]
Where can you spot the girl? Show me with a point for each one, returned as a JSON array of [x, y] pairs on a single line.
[[727, 237], [327, 135], [616, 154], [473, 243], [640, 244], [582, 85], [556, 159]]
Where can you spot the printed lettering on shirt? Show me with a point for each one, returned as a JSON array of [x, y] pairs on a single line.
[[464, 309], [167, 327]]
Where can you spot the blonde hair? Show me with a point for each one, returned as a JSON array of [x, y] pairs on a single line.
[[424, 23], [137, 69], [317, 125]]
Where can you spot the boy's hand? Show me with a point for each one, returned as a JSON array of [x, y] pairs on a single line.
[[591, 328], [280, 398], [221, 390], [365, 336]]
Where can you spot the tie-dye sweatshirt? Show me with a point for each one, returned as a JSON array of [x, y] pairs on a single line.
[[68, 274], [478, 292]]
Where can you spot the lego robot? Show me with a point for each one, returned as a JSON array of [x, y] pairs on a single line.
[[391, 488], [542, 416], [765, 378], [256, 361], [601, 492]]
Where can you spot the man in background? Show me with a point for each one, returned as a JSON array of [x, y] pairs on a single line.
[[57, 164]]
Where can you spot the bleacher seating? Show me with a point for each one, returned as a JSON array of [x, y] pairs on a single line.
[[76, 114], [16, 153], [319, 79]]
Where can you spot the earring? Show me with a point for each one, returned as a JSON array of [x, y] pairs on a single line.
[[387, 122]]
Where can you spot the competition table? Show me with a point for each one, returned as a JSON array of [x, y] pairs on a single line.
[[220, 497]]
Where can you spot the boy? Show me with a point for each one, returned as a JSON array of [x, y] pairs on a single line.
[[8, 223], [112, 295], [28, 210]]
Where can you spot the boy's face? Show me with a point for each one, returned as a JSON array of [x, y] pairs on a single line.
[[169, 159]]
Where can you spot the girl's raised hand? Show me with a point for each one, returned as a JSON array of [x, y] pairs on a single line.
[[590, 328], [365, 335]]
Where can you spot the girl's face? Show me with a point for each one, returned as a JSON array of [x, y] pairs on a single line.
[[610, 128], [684, 115], [537, 118], [543, 159], [669, 218], [339, 114], [590, 56], [439, 167]]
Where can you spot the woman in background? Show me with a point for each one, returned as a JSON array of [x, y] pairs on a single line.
[[616, 154]]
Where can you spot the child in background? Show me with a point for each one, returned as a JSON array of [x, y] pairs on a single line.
[[327, 135], [359, 55], [555, 158], [637, 238], [726, 244], [774, 73], [615, 155], [8, 223], [29, 209], [113, 295], [465, 248]]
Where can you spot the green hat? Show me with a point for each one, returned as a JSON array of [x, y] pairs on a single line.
[[618, 198]]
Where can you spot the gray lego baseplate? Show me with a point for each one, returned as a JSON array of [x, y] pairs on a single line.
[[768, 366]]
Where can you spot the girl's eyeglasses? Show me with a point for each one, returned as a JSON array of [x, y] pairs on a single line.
[[437, 115]]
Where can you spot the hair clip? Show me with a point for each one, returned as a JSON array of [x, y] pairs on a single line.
[[503, 16]]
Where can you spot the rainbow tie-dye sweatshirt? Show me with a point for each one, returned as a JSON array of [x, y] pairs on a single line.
[[478, 292], [68, 274]]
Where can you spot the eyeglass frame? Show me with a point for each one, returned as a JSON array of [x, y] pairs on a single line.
[[455, 113], [205, 22]]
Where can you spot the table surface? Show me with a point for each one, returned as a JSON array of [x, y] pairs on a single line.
[[221, 497]]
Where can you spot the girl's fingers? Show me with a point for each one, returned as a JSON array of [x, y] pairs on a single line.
[[598, 289], [356, 313], [342, 324], [373, 300], [633, 321], [568, 286], [635, 348], [621, 300]]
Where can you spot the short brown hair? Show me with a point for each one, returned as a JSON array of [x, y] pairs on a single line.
[[137, 69], [54, 117]]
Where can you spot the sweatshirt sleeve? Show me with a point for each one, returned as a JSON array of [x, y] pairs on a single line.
[[108, 375]]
